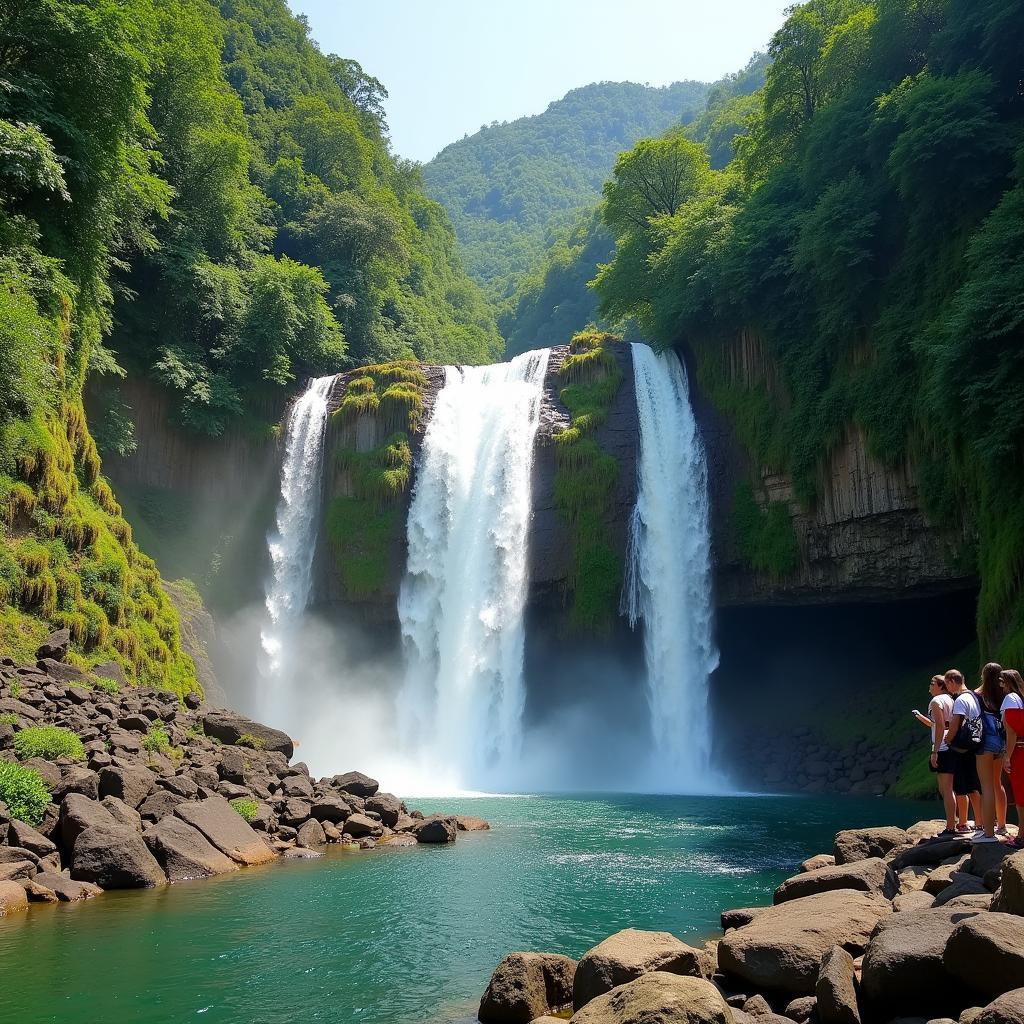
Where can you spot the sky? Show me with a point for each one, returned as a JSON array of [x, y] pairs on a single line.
[[451, 66]]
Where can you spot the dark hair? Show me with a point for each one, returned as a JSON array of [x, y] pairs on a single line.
[[954, 677], [940, 681], [1011, 679], [991, 694]]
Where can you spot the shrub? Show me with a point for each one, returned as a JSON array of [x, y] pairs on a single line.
[[248, 740], [106, 684], [247, 808], [23, 790], [48, 741], [15, 689], [156, 740], [8, 718]]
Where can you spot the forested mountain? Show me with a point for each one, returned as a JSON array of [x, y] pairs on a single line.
[[511, 188], [553, 300], [869, 235], [192, 191]]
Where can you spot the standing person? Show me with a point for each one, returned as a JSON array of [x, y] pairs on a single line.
[[1012, 710], [940, 710], [965, 770], [990, 755]]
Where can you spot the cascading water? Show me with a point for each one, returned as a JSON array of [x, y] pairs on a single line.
[[462, 599], [668, 579], [292, 545]]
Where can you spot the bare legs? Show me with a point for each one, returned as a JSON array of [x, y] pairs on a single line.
[[948, 800], [988, 793], [1000, 791]]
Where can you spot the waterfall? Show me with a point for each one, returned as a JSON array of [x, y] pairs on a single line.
[[462, 598], [292, 544], [668, 577]]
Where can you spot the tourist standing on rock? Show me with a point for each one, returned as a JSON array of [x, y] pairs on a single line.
[[993, 747], [1012, 710], [940, 710], [966, 708]]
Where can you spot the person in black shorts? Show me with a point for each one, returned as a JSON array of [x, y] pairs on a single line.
[[940, 708], [966, 784]]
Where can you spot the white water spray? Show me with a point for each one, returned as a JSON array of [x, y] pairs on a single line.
[[668, 578], [462, 599], [293, 543]]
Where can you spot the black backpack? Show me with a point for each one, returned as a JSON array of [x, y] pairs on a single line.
[[969, 735]]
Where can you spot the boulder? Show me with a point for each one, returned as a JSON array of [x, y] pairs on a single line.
[[114, 857], [739, 917], [934, 852], [782, 947], [184, 852], [903, 963], [330, 808], [25, 836], [431, 830], [225, 828], [856, 844], [76, 779], [1005, 1009], [311, 835], [159, 804], [229, 727], [359, 825], [977, 902], [388, 806], [802, 1008], [65, 889], [658, 998], [13, 898], [871, 875], [122, 813], [12, 870], [1009, 899], [525, 986], [942, 876], [986, 953], [295, 811], [627, 955], [962, 884], [986, 857], [757, 1006], [61, 671], [836, 989], [356, 783], [78, 813], [130, 784], [55, 645], [916, 900], [468, 823], [398, 839], [297, 786]]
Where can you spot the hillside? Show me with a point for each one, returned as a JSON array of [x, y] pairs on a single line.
[[511, 187]]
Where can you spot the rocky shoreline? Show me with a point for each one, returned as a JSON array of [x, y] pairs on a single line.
[[129, 788], [893, 926]]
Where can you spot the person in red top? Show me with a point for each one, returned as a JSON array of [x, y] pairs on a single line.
[[1013, 760]]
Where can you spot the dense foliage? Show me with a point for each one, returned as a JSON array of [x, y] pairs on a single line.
[[49, 742], [512, 188], [23, 791], [869, 231]]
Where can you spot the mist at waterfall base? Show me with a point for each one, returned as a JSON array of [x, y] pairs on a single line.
[[472, 702]]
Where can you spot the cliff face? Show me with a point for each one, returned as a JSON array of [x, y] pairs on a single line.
[[866, 537]]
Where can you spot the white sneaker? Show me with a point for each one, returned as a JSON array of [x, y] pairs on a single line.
[[985, 839], [978, 832]]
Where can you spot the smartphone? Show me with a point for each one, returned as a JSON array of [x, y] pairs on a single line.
[[915, 712]]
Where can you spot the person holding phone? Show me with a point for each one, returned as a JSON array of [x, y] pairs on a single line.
[[940, 710], [966, 783]]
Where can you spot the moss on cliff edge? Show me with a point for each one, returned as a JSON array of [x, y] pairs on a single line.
[[585, 478], [764, 535], [365, 525]]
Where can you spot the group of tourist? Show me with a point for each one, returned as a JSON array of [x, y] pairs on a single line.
[[977, 740]]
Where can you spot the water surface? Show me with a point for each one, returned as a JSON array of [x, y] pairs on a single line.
[[404, 936]]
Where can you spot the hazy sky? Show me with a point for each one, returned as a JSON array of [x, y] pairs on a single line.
[[452, 65]]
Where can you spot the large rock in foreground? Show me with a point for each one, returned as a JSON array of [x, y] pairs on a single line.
[[184, 852], [225, 828], [625, 956], [115, 857], [855, 844], [13, 898], [658, 998], [1006, 1009], [1009, 898], [230, 727], [782, 947], [836, 989], [525, 986], [903, 965], [871, 875], [986, 953]]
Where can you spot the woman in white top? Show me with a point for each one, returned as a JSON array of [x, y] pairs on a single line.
[[1012, 711], [940, 710]]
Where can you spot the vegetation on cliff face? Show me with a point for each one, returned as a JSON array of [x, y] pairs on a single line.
[[76, 188], [585, 478], [512, 187], [869, 230], [365, 525]]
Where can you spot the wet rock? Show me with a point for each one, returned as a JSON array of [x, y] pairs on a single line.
[[224, 827], [836, 989], [525, 986], [114, 857], [435, 829], [229, 727], [13, 898], [782, 947], [183, 852], [398, 839], [986, 952], [658, 998], [871, 875], [627, 955], [468, 823]]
